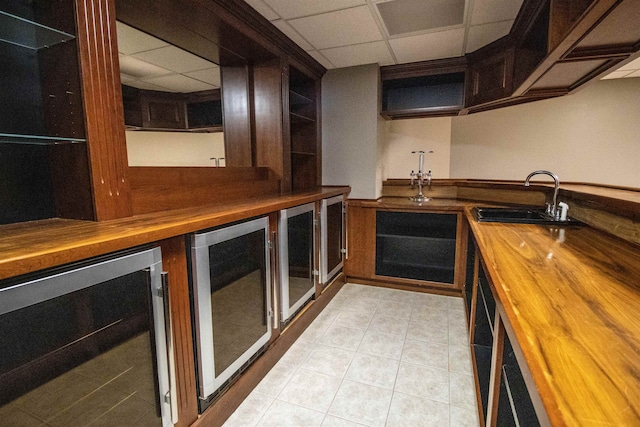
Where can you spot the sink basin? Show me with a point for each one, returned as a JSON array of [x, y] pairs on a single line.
[[518, 216]]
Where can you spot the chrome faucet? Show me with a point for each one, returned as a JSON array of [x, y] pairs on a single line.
[[553, 208], [420, 177]]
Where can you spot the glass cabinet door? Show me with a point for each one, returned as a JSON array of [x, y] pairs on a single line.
[[297, 243], [232, 299], [87, 346], [332, 229]]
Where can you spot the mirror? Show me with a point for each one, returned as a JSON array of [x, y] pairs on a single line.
[[172, 103]]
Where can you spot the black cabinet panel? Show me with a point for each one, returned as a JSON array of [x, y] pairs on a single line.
[[418, 246], [523, 406], [483, 368]]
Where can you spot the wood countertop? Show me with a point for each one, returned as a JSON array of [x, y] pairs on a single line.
[[36, 245], [572, 298]]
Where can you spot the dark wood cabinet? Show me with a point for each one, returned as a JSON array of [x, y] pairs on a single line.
[[412, 248], [423, 89], [554, 48], [191, 112], [304, 129], [490, 78], [163, 111], [503, 396], [61, 135]]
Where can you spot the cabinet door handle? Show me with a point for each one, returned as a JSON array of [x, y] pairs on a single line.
[[172, 397]]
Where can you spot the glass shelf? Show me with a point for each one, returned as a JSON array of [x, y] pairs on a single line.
[[25, 33], [9, 138], [296, 98]]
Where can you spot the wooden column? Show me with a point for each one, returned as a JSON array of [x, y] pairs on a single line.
[[104, 115], [174, 262]]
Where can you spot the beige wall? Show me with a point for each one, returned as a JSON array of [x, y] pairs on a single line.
[[404, 136], [174, 148], [351, 145], [590, 136]]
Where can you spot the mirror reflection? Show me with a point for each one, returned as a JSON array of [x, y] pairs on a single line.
[[172, 103]]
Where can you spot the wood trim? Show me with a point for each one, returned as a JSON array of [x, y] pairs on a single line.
[[222, 409], [394, 283], [496, 371], [424, 68], [462, 243], [174, 262], [522, 363], [104, 114]]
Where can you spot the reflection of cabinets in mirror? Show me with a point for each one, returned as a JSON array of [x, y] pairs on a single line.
[[153, 110]]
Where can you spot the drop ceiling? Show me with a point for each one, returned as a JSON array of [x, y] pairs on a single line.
[[150, 63], [344, 33], [338, 33]]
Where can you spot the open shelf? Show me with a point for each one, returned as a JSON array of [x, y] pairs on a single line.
[[297, 118], [296, 98], [26, 33]]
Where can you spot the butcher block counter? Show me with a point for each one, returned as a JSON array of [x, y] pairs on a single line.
[[571, 298], [36, 245]]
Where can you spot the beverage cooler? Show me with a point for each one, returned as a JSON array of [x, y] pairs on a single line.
[[231, 283], [88, 344], [297, 259], [332, 240]]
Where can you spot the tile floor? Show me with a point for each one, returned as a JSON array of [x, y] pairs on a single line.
[[373, 357]]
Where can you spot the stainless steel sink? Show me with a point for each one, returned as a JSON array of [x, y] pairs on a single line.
[[519, 216]]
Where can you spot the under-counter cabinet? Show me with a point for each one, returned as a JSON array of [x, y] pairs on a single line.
[[503, 396], [412, 247], [87, 341], [332, 240], [232, 301], [297, 258]]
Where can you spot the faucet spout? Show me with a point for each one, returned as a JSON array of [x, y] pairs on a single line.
[[554, 207]]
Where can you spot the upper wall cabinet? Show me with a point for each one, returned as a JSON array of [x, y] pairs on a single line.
[[554, 48], [153, 110], [423, 89]]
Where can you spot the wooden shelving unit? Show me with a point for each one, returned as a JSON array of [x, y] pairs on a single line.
[[304, 131]]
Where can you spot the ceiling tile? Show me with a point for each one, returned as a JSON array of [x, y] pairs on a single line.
[[180, 83], [360, 54], [481, 35], [633, 65], [616, 75], [442, 44], [297, 8], [124, 78], [292, 34], [174, 59], [131, 40], [494, 10], [210, 75], [139, 69], [263, 9], [345, 27], [410, 16], [321, 59], [140, 84]]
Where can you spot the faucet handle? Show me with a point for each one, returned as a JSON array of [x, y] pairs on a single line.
[[548, 210]]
